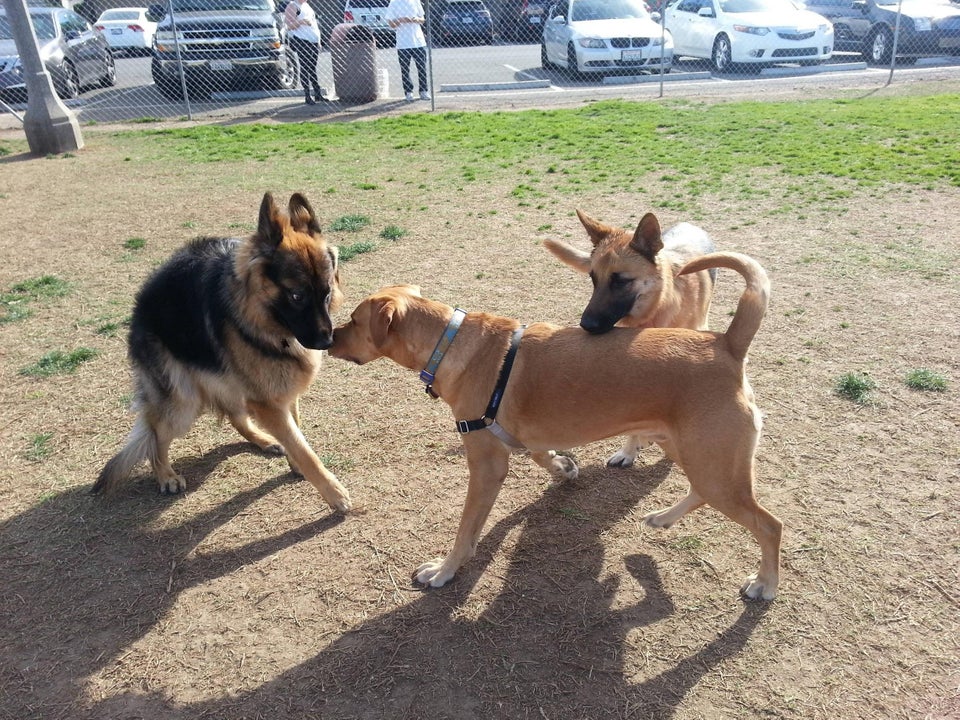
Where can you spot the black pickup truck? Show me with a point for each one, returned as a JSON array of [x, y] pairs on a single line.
[[215, 45]]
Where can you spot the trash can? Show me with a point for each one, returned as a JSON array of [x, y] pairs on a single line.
[[353, 54]]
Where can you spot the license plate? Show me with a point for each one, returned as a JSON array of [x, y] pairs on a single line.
[[627, 55], [370, 18], [535, 20], [221, 65], [466, 20], [116, 31]]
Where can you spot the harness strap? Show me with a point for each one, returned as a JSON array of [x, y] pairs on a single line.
[[488, 420]]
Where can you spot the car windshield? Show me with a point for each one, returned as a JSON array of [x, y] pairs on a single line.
[[748, 6], [185, 6], [607, 10], [120, 15], [42, 26]]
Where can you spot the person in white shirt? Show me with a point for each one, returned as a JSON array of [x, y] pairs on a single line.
[[406, 17], [304, 36]]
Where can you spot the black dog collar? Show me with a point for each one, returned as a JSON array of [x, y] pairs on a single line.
[[488, 420]]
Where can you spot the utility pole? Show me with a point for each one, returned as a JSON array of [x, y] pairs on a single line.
[[50, 126]]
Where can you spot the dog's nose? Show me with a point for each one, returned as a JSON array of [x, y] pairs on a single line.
[[593, 325]]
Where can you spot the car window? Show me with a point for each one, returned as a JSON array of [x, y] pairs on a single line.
[[71, 22], [690, 6], [120, 15], [607, 10], [367, 3], [185, 6], [745, 6]]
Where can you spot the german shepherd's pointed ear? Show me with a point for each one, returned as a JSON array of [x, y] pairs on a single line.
[[270, 223], [596, 230], [646, 240], [302, 217]]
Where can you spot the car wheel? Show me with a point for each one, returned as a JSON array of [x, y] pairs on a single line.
[[287, 75], [573, 69], [880, 46], [109, 78], [69, 86], [169, 86], [722, 54], [544, 60]]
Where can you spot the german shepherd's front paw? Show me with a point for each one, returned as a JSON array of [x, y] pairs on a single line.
[[620, 459], [755, 588], [433, 574]]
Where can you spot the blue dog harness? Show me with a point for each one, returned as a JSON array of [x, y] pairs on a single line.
[[488, 420]]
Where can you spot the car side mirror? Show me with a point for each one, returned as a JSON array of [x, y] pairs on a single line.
[[655, 16], [705, 12], [156, 12]]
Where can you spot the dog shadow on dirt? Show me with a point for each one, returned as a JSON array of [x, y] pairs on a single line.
[[552, 641], [84, 579]]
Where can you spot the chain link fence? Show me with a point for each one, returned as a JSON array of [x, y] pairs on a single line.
[[190, 58]]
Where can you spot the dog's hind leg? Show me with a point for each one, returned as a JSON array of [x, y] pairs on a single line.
[[560, 466], [488, 460], [280, 422]]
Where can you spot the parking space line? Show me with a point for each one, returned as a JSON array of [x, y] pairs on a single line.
[[553, 87]]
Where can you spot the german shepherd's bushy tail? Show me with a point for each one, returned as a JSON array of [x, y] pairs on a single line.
[[753, 303], [141, 445]]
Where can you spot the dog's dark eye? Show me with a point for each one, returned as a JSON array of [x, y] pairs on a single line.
[[618, 281], [295, 296], [327, 299]]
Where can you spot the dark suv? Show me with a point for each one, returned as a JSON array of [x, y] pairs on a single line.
[[524, 20], [220, 44], [927, 27]]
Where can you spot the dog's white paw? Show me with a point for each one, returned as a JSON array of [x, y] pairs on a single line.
[[274, 449], [171, 484], [659, 519], [565, 467], [621, 459], [433, 574], [756, 589], [337, 496]]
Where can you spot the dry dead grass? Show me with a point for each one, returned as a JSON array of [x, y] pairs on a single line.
[[246, 598]]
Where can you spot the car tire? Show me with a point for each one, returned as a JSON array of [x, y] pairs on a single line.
[[572, 68], [109, 78], [544, 60], [68, 87], [168, 86], [722, 55], [287, 76], [880, 46]]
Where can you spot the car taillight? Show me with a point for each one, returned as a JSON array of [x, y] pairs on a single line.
[[135, 28], [347, 16], [101, 28]]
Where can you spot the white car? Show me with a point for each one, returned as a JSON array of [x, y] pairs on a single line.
[[754, 32], [597, 36], [127, 29]]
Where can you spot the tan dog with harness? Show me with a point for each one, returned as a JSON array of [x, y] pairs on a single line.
[[687, 390]]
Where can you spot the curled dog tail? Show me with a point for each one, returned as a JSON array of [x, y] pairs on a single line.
[[141, 445], [753, 303]]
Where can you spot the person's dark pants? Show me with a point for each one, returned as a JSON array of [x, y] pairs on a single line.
[[308, 54], [419, 56]]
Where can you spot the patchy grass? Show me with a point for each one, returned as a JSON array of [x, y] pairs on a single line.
[[58, 362], [856, 387], [926, 380], [350, 251], [39, 447], [392, 232], [350, 223]]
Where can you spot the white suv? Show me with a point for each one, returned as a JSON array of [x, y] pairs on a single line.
[[371, 14]]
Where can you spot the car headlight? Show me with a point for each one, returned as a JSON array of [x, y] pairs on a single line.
[[922, 24], [263, 33], [592, 43], [751, 30], [168, 36]]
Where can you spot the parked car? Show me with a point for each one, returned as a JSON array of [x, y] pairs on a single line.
[[463, 22], [525, 20], [218, 44], [597, 36], [75, 54], [754, 32], [371, 13], [127, 29], [927, 27]]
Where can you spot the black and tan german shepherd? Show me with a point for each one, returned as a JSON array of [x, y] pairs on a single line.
[[235, 327]]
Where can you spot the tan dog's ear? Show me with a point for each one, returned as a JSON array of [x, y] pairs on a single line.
[[578, 259], [646, 240], [597, 231], [381, 316]]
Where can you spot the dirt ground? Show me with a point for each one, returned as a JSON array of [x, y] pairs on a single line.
[[248, 598]]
